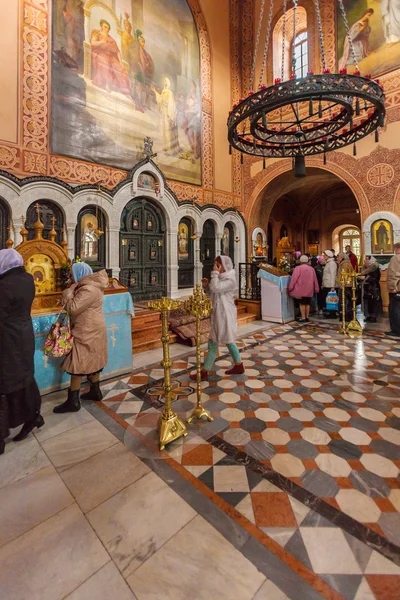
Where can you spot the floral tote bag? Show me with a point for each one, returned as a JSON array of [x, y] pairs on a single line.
[[59, 340]]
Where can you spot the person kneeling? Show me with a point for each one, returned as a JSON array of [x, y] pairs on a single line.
[[221, 290]]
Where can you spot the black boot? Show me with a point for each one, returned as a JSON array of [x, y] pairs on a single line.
[[72, 403], [94, 393], [2, 446], [27, 427]]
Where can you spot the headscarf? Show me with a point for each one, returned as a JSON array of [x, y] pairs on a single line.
[[342, 255], [320, 260], [227, 264], [80, 270], [10, 259], [297, 254], [304, 258], [372, 260]]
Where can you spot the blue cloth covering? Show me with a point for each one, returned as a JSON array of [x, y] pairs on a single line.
[[282, 282], [118, 310]]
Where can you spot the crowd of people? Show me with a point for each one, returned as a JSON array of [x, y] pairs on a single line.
[[314, 279]]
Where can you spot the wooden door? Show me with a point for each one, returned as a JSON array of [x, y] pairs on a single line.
[[143, 251], [185, 254]]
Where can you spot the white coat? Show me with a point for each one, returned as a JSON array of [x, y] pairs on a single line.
[[224, 315], [329, 275]]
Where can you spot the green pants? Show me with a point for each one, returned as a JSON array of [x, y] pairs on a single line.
[[212, 354]]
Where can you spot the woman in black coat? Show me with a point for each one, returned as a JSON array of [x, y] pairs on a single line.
[[19, 393]]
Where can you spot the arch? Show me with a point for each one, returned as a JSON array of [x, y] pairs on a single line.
[[186, 253], [208, 249], [5, 218], [277, 40], [228, 241], [350, 236], [264, 178], [393, 218]]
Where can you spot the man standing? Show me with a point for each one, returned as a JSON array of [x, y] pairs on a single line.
[[393, 287], [352, 258]]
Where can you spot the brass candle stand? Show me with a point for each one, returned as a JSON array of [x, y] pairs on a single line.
[[344, 279], [199, 306], [354, 324], [170, 427]]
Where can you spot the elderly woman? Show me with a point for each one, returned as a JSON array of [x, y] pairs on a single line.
[[19, 393], [84, 303], [221, 289], [371, 290], [329, 279], [303, 285]]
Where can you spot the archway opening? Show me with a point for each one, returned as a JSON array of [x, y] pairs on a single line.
[[4, 223], [51, 216], [309, 211]]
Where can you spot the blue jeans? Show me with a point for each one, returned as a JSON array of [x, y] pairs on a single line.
[[212, 354]]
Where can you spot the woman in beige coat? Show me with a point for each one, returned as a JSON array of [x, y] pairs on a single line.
[[84, 303]]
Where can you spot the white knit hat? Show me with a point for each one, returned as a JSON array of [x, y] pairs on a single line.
[[303, 258], [328, 253]]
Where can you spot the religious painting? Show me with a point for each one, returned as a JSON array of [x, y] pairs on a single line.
[[375, 34], [147, 181], [225, 242], [132, 281], [132, 254], [135, 224], [123, 70], [183, 242], [382, 237], [90, 238]]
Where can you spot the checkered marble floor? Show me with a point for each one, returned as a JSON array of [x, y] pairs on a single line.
[[304, 449]]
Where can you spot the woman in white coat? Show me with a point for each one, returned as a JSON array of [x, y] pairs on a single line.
[[221, 290]]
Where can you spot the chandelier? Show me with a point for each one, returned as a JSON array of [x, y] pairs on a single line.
[[311, 115]]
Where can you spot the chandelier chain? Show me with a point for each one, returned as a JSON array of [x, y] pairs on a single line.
[[321, 34], [283, 40], [253, 68], [267, 39], [346, 24]]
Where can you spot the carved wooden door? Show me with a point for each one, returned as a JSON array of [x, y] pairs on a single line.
[[142, 250]]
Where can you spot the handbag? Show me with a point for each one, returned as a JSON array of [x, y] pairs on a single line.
[[332, 301], [59, 340]]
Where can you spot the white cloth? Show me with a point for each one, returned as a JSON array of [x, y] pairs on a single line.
[[224, 315], [330, 272], [390, 11], [10, 259]]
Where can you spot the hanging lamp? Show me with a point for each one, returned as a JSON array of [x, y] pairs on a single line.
[[311, 115]]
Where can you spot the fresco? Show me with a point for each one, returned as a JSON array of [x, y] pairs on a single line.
[[375, 32], [123, 70]]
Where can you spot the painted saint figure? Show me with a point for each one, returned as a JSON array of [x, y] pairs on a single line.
[[169, 124], [390, 10], [108, 72], [382, 237], [191, 123], [89, 242], [359, 33], [183, 242]]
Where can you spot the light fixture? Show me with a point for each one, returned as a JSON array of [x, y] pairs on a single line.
[[237, 240], [311, 115]]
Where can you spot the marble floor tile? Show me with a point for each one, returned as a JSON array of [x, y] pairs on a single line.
[[287, 465], [21, 459], [106, 584], [30, 501], [51, 560], [329, 551], [78, 444], [269, 591], [358, 506], [118, 468], [137, 521], [56, 424], [197, 563]]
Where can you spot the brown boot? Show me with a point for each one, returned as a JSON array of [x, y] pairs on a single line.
[[204, 376], [236, 370]]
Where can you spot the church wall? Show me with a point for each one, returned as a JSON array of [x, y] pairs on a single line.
[[374, 173]]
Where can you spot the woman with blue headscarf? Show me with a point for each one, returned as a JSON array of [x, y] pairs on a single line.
[[88, 357], [19, 393]]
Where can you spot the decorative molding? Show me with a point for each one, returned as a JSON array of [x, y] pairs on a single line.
[[9, 157]]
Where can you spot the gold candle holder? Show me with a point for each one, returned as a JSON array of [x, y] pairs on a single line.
[[343, 280], [354, 324], [170, 427], [200, 306]]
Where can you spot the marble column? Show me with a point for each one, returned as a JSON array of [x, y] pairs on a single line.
[[71, 229], [172, 261], [15, 234], [198, 265], [112, 255]]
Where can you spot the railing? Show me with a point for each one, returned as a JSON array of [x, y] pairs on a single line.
[[249, 283]]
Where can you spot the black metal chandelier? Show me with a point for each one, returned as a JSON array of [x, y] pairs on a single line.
[[312, 115]]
